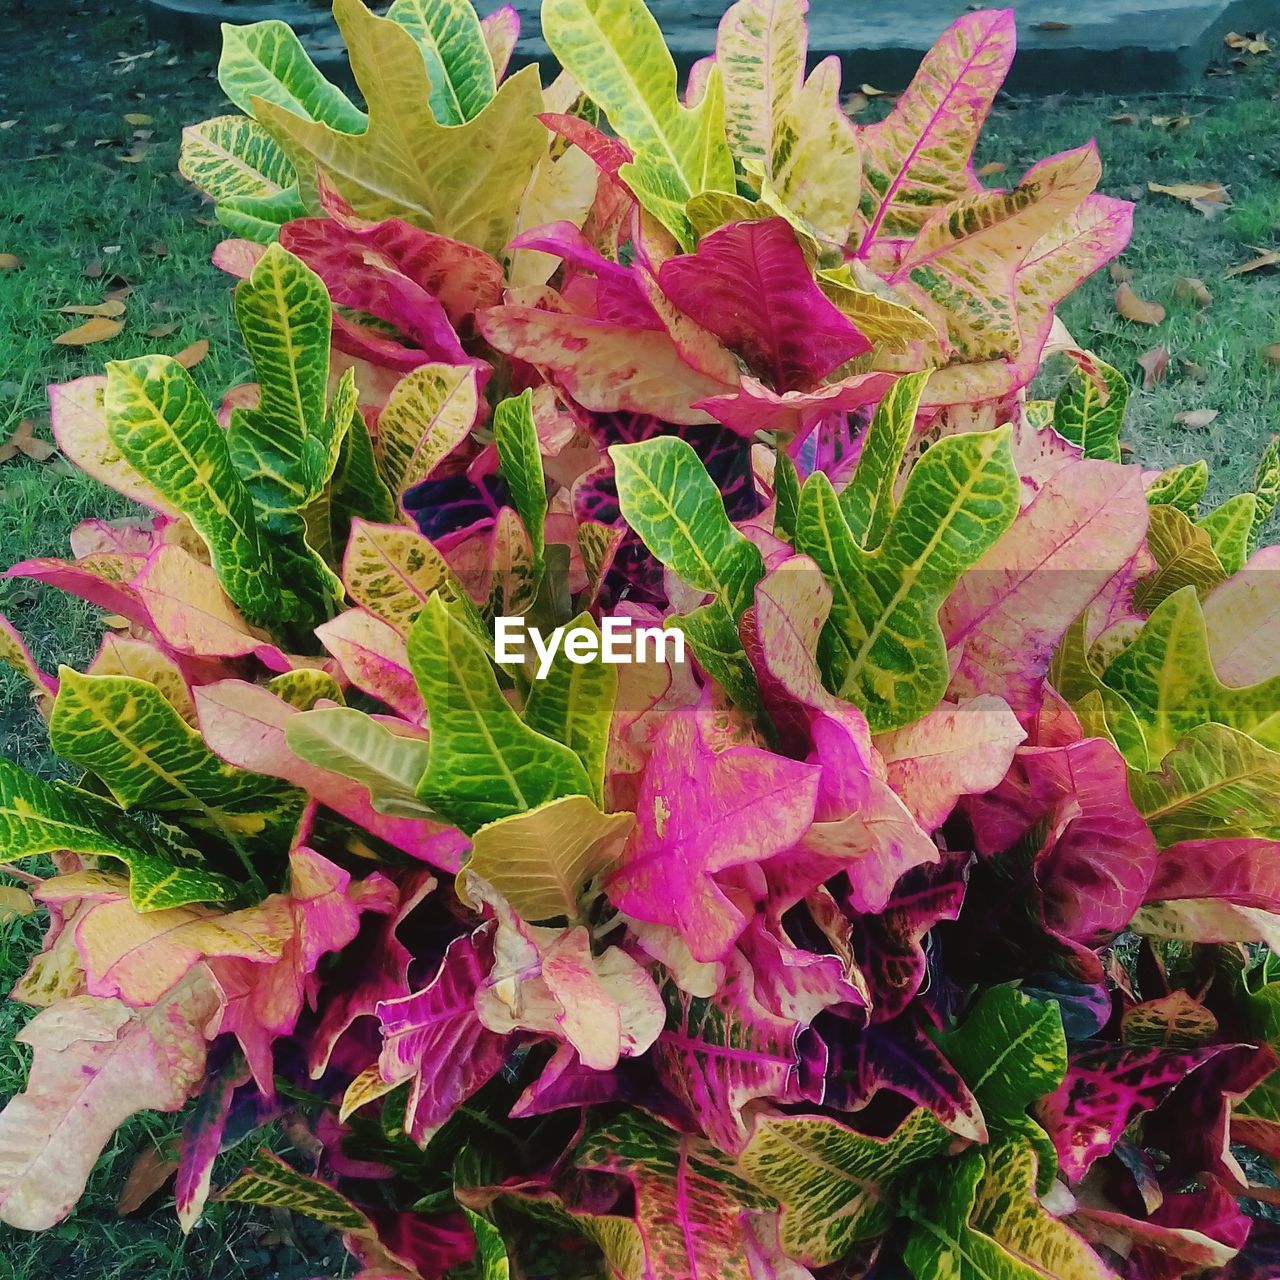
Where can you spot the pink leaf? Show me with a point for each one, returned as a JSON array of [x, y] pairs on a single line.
[[754, 407], [375, 658]]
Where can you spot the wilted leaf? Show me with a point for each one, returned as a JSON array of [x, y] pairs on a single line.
[[99, 329], [24, 442], [137, 118], [14, 902], [150, 1171], [110, 309], [1271, 354], [1134, 308], [1253, 44], [991, 169], [10, 262], [1192, 289], [1266, 258], [1195, 418], [1154, 365], [1196, 193], [191, 356]]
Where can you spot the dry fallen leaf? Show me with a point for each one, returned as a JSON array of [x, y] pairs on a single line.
[[1266, 258], [93, 270], [14, 902], [1154, 365], [1195, 418], [24, 442], [1050, 25], [1121, 274], [1125, 117], [870, 91], [1271, 354], [1192, 371], [1192, 289], [112, 308], [191, 356], [1246, 44], [1172, 123], [99, 329], [1137, 309], [990, 170], [137, 117], [163, 330], [1196, 193], [10, 262], [151, 1170]]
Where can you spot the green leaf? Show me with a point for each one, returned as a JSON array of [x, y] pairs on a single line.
[[786, 491], [520, 459], [39, 817], [573, 703], [268, 1181], [266, 60], [126, 732], [1180, 487], [1231, 530], [285, 448], [386, 764], [166, 430], [1090, 416], [615, 50], [304, 686], [259, 218], [867, 501], [667, 497], [1166, 675], [453, 47], [358, 490], [1216, 782], [979, 1219], [491, 1262], [484, 761], [540, 860], [836, 1186], [711, 634], [882, 646], [1266, 485], [428, 414]]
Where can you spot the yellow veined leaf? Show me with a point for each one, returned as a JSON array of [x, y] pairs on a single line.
[[882, 646], [387, 763], [142, 660], [1166, 675], [392, 571], [1216, 782], [428, 414], [457, 57], [367, 1087], [836, 1186], [234, 157], [39, 817], [892, 325], [269, 1181], [303, 688], [462, 181], [124, 731], [14, 654], [1230, 527], [615, 50], [1184, 555], [540, 860]]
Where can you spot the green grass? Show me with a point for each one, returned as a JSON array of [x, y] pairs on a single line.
[[68, 78]]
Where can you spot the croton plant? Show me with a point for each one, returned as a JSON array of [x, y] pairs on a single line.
[[914, 924]]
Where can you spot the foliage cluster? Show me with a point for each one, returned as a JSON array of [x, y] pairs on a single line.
[[906, 931]]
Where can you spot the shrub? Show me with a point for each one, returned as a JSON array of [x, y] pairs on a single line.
[[907, 928]]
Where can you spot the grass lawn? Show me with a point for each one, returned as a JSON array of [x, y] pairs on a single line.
[[92, 203]]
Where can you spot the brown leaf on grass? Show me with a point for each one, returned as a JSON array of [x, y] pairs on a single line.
[[93, 270], [1208, 198], [23, 441], [1120, 274], [1266, 258], [1192, 371], [1125, 117], [99, 329], [990, 170], [151, 1170], [1172, 123], [1137, 309], [1050, 25], [10, 262], [1196, 419], [191, 356], [1154, 365], [1254, 44], [111, 309], [1192, 289], [164, 330], [1271, 354]]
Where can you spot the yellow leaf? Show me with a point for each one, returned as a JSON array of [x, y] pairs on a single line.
[[99, 329], [10, 262], [1137, 309], [191, 356], [137, 117], [1192, 192], [14, 902], [110, 309]]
